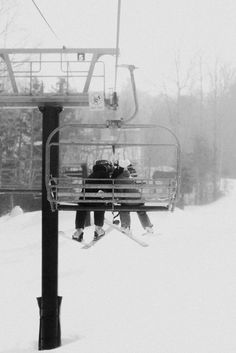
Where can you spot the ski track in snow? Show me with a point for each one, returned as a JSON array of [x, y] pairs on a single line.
[[175, 296]]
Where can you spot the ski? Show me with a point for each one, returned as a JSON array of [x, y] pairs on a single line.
[[92, 242], [80, 242], [95, 241], [131, 236]]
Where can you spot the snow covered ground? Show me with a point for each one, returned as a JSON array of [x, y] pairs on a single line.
[[175, 296]]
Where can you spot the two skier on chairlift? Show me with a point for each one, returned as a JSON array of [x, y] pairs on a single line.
[[103, 169]]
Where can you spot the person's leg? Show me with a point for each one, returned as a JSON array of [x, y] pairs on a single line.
[[99, 221], [125, 219], [79, 225], [144, 219], [80, 219], [99, 218]]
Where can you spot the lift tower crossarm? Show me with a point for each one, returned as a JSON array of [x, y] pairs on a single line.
[[99, 51], [24, 66]]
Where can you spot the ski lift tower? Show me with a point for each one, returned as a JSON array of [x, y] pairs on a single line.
[[28, 79]]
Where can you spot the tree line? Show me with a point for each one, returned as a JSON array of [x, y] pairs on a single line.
[[202, 115]]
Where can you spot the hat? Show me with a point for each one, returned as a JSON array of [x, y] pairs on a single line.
[[124, 163], [99, 167], [102, 161]]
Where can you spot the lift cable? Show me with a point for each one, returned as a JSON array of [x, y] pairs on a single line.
[[45, 20], [51, 29]]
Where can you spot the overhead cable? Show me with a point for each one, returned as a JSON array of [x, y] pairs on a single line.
[[45, 20]]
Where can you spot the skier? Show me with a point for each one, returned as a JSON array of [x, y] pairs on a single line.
[[101, 170], [122, 175]]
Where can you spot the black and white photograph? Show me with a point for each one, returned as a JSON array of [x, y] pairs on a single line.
[[118, 176]]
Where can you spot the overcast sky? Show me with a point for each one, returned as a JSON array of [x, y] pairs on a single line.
[[151, 31]]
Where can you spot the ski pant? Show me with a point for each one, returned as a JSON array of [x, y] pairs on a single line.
[[125, 219], [81, 218], [144, 219], [142, 215]]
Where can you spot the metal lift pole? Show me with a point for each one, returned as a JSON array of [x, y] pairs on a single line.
[[49, 303]]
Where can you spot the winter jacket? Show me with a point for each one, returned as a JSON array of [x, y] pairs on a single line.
[[122, 176], [99, 172]]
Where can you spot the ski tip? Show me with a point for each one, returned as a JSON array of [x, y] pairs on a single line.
[[145, 245]]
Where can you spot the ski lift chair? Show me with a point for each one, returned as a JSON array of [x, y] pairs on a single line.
[[67, 192]]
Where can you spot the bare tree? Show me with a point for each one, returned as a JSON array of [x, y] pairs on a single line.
[[8, 14]]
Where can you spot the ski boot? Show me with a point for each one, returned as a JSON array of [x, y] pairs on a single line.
[[78, 235], [126, 230], [149, 230], [99, 232]]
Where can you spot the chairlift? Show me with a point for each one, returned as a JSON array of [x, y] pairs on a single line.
[[147, 192]]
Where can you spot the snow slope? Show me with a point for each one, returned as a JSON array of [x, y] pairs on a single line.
[[176, 296]]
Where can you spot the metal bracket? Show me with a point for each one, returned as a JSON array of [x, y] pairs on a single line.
[[115, 123]]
